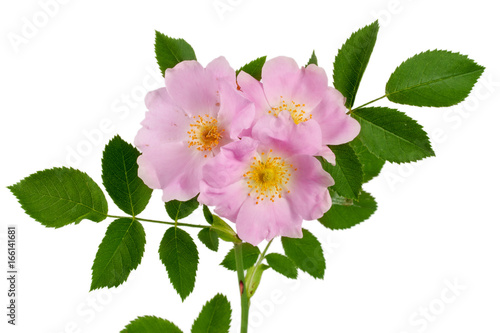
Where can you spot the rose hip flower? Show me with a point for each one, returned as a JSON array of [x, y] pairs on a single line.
[[197, 112], [305, 94], [267, 184]]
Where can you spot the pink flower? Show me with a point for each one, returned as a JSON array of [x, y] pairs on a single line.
[[198, 111], [305, 94], [267, 184]]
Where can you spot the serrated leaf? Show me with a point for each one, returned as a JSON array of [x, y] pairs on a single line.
[[61, 196], [150, 324], [346, 213], [351, 61], [282, 265], [313, 60], [120, 252], [254, 68], [120, 178], [209, 237], [250, 256], [215, 317], [433, 78], [371, 164], [346, 172], [179, 254], [208, 215], [306, 253], [253, 277], [391, 135], [170, 51], [180, 209]]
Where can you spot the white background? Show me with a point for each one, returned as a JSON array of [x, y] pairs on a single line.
[[89, 64]]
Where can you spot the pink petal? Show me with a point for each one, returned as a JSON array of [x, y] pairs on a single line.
[[148, 173], [311, 87], [164, 122], [253, 90], [236, 112], [281, 132], [327, 154], [227, 200], [280, 76], [221, 70], [309, 194], [266, 220], [173, 167], [282, 79], [185, 187], [193, 88], [336, 126], [230, 164], [222, 183]]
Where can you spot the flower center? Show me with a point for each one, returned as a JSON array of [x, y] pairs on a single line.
[[268, 176], [296, 110], [204, 133]]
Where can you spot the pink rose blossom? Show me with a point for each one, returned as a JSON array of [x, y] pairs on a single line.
[[198, 111], [305, 94], [268, 183]]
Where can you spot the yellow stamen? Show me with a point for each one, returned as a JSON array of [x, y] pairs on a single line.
[[296, 110], [204, 133], [267, 177]]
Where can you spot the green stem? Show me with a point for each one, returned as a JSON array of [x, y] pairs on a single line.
[[245, 301], [162, 222], [370, 102], [261, 258]]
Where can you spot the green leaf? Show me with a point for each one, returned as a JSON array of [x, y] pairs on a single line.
[[346, 213], [209, 237], [306, 253], [433, 78], [253, 277], [254, 68], [61, 196], [179, 254], [346, 172], [313, 60], [215, 317], [208, 215], [180, 209], [170, 51], [120, 252], [391, 135], [150, 324], [250, 255], [371, 164], [120, 178], [351, 61], [282, 265]]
